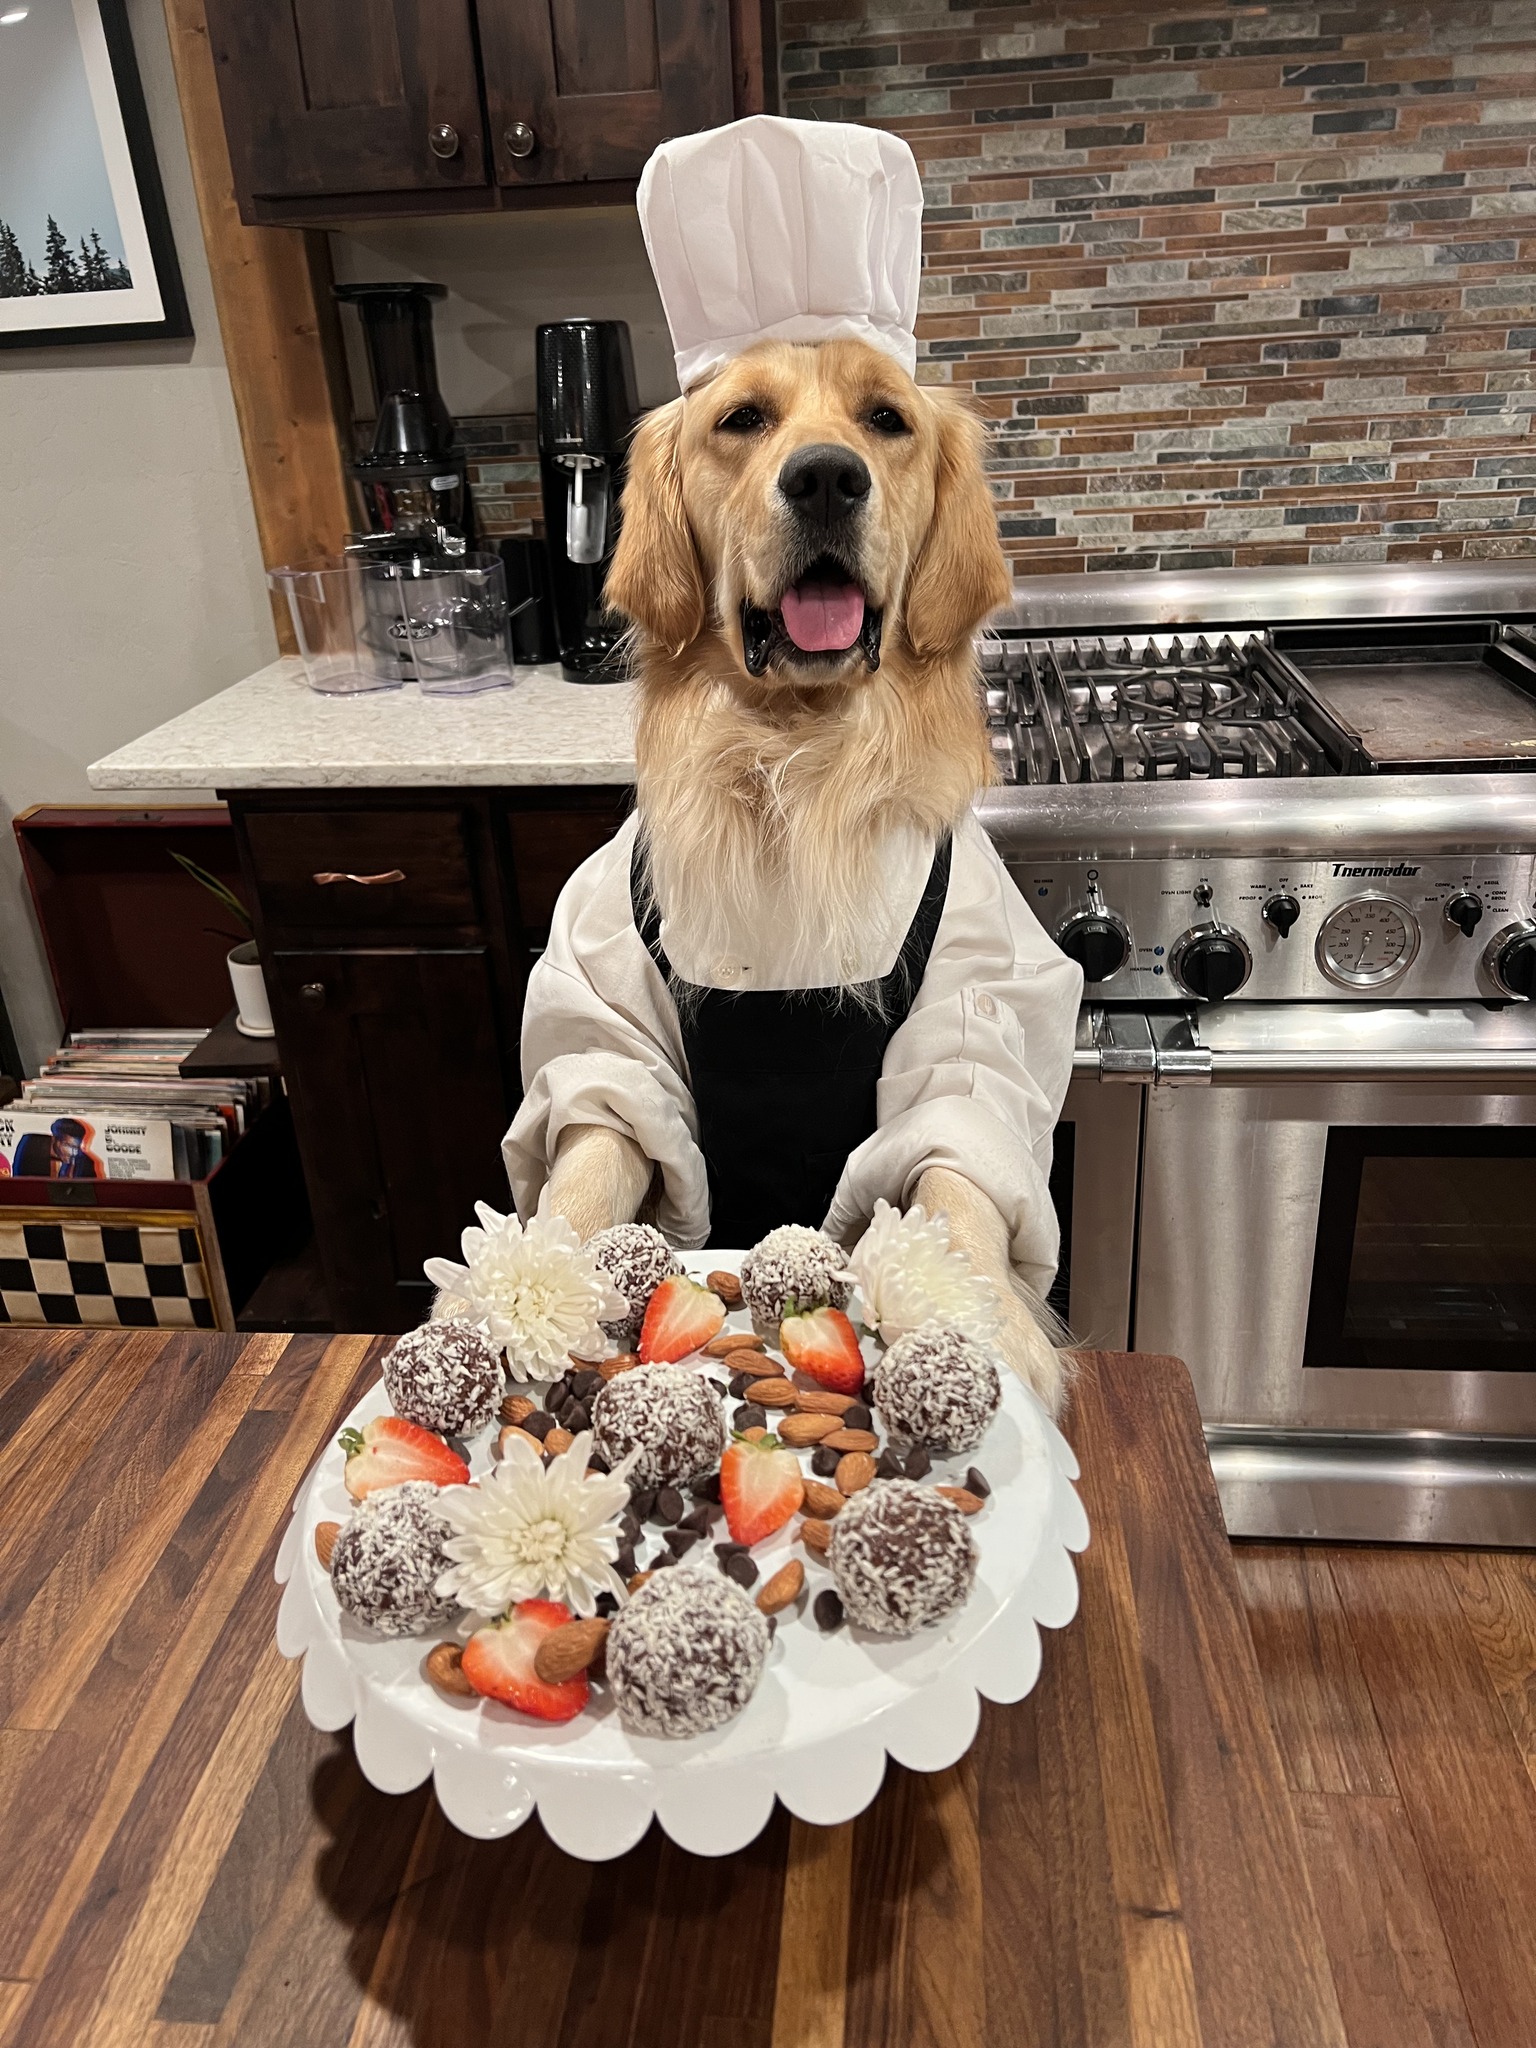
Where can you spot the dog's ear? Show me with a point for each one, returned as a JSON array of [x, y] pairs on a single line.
[[961, 573], [656, 578]]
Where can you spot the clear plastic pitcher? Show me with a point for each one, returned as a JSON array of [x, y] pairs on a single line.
[[372, 625]]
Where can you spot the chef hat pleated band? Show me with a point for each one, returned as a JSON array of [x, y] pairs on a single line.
[[770, 229]]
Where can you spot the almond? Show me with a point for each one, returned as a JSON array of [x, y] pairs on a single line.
[[804, 1430], [517, 1408], [849, 1440], [443, 1664], [773, 1394], [782, 1590], [822, 1502], [733, 1340], [816, 1401], [557, 1439], [325, 1541], [855, 1469], [755, 1366], [512, 1430], [633, 1585], [566, 1651], [726, 1285], [624, 1361], [754, 1433], [816, 1536], [967, 1503]]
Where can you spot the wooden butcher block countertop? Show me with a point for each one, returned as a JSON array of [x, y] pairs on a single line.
[[185, 1861]]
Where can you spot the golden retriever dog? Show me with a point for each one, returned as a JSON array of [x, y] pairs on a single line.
[[819, 483]]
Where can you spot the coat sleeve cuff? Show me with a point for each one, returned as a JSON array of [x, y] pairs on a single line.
[[621, 1095]]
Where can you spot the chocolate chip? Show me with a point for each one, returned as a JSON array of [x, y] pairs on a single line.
[[857, 1417], [699, 1520], [739, 1385], [596, 1462], [919, 1464], [707, 1488], [741, 1568], [606, 1604], [642, 1499], [888, 1466], [661, 1559], [773, 1624], [624, 1563], [669, 1507], [750, 1416], [977, 1483], [587, 1384], [538, 1424], [681, 1541], [725, 1550], [576, 1418], [828, 1610], [824, 1462]]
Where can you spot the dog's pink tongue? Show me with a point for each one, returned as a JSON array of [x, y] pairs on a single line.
[[820, 616]]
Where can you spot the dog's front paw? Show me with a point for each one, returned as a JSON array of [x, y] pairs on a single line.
[[1029, 1347]]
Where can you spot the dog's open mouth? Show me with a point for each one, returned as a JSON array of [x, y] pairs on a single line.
[[820, 618]]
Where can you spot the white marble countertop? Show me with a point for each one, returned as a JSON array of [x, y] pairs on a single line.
[[273, 732]]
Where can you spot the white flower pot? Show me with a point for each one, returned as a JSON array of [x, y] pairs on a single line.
[[253, 1013]]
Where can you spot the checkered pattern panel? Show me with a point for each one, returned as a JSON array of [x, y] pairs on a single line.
[[108, 1276]]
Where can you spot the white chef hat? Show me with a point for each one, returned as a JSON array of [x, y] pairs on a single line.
[[769, 229]]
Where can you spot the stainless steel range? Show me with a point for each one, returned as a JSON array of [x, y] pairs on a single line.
[[1290, 837]]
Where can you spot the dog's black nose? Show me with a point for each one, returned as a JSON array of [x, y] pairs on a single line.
[[824, 483]]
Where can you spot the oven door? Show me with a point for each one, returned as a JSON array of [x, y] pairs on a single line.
[[1337, 1232]]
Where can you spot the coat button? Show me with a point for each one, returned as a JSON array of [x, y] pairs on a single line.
[[985, 1007]]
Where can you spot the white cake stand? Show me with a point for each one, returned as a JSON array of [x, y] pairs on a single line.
[[828, 1712]]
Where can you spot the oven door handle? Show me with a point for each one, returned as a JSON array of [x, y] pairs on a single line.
[[1488, 1066]]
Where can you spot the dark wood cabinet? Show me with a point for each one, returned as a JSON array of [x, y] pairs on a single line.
[[333, 109], [397, 995]]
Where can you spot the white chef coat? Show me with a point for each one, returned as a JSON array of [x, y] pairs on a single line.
[[973, 1079]]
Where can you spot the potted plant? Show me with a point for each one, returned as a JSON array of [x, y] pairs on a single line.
[[253, 1013]]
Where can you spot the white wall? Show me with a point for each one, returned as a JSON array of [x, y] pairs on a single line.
[[130, 577], [505, 274]]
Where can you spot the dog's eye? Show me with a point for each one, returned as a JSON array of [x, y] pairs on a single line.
[[885, 419], [746, 419]]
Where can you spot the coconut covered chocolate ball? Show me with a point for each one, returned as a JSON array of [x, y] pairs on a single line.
[[670, 1414], [685, 1654], [636, 1259], [445, 1376], [902, 1557], [795, 1264], [938, 1388], [388, 1558]]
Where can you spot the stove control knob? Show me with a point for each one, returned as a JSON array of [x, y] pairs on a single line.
[[1281, 912], [1511, 960], [1098, 941], [1211, 962], [1465, 910]]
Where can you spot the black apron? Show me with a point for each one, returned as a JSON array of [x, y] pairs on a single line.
[[784, 1079]]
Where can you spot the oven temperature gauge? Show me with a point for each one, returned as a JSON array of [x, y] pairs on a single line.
[[1369, 940]]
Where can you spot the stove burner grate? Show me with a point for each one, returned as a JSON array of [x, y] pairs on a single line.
[[1159, 708]]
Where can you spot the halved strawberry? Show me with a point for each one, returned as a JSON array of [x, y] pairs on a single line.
[[761, 1486], [682, 1317], [498, 1662], [390, 1450], [823, 1343]]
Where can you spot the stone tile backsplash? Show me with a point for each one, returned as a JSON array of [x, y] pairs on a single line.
[[1253, 286]]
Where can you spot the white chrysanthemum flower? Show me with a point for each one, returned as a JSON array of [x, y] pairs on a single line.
[[531, 1531], [533, 1289], [908, 1275]]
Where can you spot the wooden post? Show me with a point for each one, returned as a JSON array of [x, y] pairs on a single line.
[[281, 340]]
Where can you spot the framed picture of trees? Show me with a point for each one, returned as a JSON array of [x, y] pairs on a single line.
[[85, 247]]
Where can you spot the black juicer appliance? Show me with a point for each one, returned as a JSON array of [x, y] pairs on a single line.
[[587, 409], [412, 480]]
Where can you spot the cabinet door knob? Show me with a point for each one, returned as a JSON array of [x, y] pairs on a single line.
[[327, 877], [520, 139], [443, 140], [313, 993]]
